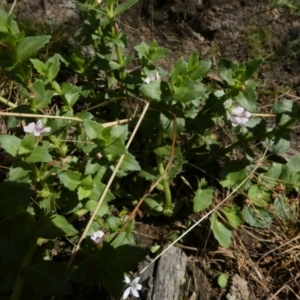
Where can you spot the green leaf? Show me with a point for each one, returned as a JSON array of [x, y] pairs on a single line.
[[142, 50], [163, 151], [197, 69], [285, 106], [39, 154], [250, 68], [129, 256], [69, 179], [114, 223], [284, 209], [279, 142], [156, 53], [98, 188], [14, 196], [87, 182], [257, 217], [83, 193], [247, 98], [53, 66], [129, 163], [27, 144], [70, 92], [115, 140], [153, 206], [3, 20], [39, 66], [189, 91], [47, 277], [148, 173], [167, 122], [259, 196], [290, 179], [54, 227], [223, 280], [91, 206], [294, 163], [233, 215], [152, 90], [28, 46], [92, 129], [203, 197], [226, 70], [42, 96], [124, 6], [221, 233], [19, 171], [13, 25], [10, 144], [179, 70], [270, 178], [123, 238], [233, 173]]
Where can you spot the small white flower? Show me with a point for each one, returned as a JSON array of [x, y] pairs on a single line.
[[37, 128], [133, 287], [97, 237], [151, 78], [239, 116]]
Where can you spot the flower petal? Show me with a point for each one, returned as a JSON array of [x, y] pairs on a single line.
[[97, 237], [127, 280], [243, 120], [237, 111], [39, 125], [236, 121], [246, 114], [29, 128], [135, 280], [126, 292], [46, 130], [149, 79], [36, 133], [138, 287], [135, 293]]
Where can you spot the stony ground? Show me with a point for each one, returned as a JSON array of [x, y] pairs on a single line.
[[262, 264]]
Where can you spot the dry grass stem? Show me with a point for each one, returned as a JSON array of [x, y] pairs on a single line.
[[21, 115]]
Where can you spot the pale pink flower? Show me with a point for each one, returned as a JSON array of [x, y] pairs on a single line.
[[36, 128], [239, 116], [98, 237]]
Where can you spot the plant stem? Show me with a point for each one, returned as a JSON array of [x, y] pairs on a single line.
[[7, 102], [77, 214], [161, 170], [17, 290], [121, 61], [59, 149]]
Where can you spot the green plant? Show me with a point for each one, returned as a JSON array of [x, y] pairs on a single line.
[[79, 174]]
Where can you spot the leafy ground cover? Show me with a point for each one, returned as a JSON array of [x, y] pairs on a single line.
[[116, 129]]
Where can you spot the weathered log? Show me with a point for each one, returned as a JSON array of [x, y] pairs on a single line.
[[164, 280]]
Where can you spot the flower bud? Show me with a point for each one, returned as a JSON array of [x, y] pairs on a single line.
[[117, 27], [98, 237]]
